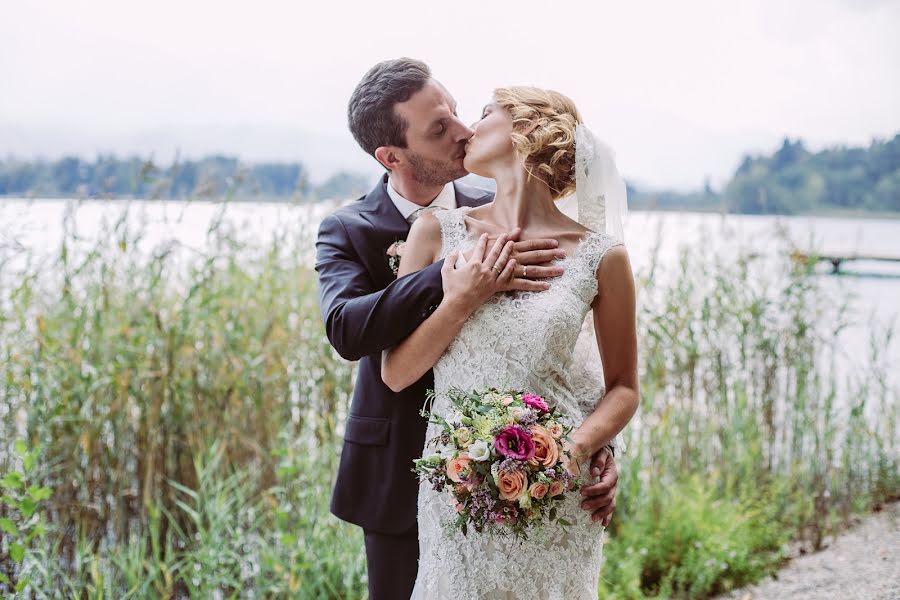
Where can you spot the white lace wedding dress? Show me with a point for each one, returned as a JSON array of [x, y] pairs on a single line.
[[516, 340]]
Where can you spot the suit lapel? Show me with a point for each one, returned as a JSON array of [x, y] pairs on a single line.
[[390, 226], [381, 212]]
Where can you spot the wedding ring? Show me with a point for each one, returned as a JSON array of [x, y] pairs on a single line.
[[525, 271], [495, 268]]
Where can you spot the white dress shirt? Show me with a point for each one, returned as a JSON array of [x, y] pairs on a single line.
[[445, 199]]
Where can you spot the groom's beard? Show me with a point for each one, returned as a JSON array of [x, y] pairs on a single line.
[[433, 172]]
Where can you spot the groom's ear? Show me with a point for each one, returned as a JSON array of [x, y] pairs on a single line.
[[388, 157]]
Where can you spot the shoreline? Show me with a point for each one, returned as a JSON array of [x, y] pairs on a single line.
[[835, 214]]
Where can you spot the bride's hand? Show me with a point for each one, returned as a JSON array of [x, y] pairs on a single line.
[[479, 277], [578, 451]]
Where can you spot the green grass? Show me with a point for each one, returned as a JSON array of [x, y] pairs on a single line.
[[187, 419]]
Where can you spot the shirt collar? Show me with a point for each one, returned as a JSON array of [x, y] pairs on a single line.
[[446, 198]]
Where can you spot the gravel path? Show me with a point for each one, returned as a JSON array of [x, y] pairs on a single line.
[[863, 562]]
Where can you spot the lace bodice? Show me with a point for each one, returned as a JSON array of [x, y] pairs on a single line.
[[525, 340], [516, 340]]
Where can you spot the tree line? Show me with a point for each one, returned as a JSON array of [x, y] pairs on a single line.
[[135, 177], [792, 180]]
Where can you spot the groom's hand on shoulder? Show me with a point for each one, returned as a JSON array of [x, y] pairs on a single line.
[[533, 262]]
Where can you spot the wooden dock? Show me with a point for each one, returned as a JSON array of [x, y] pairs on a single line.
[[837, 260]]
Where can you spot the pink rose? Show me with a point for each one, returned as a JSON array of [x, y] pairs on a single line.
[[535, 402]]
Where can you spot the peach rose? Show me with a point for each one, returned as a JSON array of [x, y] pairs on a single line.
[[538, 490], [546, 450], [459, 466], [556, 488], [511, 484], [555, 429], [507, 400]]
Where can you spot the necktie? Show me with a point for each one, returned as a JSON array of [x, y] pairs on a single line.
[[420, 211]]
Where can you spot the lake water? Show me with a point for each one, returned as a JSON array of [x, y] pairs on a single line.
[[34, 228]]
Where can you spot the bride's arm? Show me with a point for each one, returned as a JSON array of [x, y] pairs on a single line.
[[616, 332], [465, 289]]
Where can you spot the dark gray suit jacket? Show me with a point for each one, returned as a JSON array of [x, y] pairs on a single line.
[[366, 310]]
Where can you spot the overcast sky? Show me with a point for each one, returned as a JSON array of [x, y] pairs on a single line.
[[679, 89]]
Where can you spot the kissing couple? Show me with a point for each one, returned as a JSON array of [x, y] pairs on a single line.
[[432, 284]]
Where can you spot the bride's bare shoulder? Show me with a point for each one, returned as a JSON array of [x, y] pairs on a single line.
[[423, 244], [614, 273]]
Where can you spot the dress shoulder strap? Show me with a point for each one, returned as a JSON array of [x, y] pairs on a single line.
[[453, 228]]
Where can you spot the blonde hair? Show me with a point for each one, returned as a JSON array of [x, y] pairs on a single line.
[[544, 133]]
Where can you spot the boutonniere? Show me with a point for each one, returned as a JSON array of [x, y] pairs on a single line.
[[394, 252]]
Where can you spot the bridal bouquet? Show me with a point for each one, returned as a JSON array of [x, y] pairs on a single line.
[[502, 460]]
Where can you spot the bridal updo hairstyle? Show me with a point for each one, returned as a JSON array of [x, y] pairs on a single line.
[[544, 133]]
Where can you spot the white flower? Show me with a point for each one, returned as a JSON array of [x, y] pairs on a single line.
[[463, 436], [447, 453], [479, 450]]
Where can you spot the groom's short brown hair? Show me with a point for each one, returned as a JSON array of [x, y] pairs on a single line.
[[371, 115]]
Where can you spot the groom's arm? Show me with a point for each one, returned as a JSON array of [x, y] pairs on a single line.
[[359, 319]]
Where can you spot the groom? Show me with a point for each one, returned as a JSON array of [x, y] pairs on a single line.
[[407, 121]]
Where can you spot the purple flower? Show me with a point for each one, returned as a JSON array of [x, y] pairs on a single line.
[[514, 442], [536, 402], [510, 465]]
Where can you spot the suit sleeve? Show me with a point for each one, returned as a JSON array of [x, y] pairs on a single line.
[[359, 319]]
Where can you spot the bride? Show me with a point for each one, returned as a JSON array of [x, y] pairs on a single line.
[[533, 143]]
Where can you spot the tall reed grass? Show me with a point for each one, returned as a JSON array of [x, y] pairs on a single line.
[[184, 408]]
